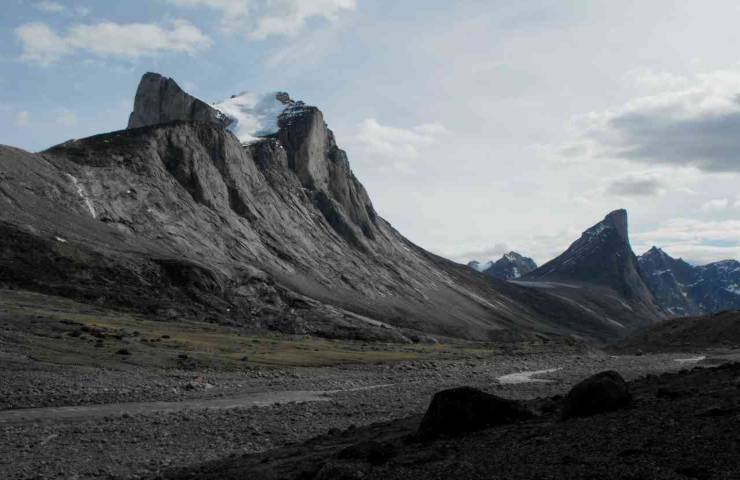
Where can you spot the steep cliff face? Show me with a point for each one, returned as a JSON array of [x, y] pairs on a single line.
[[161, 100], [600, 272], [184, 219]]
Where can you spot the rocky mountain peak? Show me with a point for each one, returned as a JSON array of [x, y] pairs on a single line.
[[602, 256], [299, 130], [510, 266], [161, 100]]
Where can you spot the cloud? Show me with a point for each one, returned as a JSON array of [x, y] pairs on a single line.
[[23, 119], [259, 19], [493, 253], [692, 123], [635, 186], [395, 142], [43, 45], [715, 205], [49, 7], [67, 118], [291, 17], [697, 241]]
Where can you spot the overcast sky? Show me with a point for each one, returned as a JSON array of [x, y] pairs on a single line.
[[476, 126]]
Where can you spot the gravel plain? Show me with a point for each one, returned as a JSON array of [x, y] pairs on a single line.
[[130, 442]]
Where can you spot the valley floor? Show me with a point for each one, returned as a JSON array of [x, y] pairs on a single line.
[[73, 408]]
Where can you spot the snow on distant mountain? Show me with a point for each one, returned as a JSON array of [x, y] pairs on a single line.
[[509, 267], [480, 266], [683, 289]]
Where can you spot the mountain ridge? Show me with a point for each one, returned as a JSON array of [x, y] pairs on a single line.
[[685, 290], [182, 219]]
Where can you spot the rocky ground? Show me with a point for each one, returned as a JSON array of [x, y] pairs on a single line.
[[130, 443], [90, 393], [678, 426]]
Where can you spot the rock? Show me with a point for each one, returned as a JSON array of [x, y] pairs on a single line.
[[600, 393], [161, 100], [373, 452], [466, 409], [123, 351]]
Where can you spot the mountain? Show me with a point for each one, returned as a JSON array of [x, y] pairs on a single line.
[[686, 334], [190, 213], [683, 289], [509, 267], [600, 272]]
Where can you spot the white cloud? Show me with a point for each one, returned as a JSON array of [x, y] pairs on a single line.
[[23, 119], [697, 241], [291, 16], [737, 201], [259, 19], [656, 80], [49, 7], [397, 142], [715, 205], [690, 122], [41, 44], [67, 118]]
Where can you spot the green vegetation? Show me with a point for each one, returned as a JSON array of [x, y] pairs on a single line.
[[58, 330]]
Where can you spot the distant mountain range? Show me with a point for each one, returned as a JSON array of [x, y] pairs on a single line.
[[509, 267], [683, 289], [654, 281]]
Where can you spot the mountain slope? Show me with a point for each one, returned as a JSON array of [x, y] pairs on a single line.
[[269, 230], [687, 334], [509, 267], [599, 271]]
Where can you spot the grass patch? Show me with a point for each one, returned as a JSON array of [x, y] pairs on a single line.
[[59, 330]]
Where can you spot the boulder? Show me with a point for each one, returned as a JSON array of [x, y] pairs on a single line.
[[373, 452], [466, 409], [600, 393]]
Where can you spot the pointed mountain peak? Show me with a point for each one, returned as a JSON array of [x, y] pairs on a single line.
[[602, 256], [616, 220]]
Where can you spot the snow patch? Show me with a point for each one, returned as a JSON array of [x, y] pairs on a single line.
[[526, 377], [480, 267], [253, 116], [83, 195], [690, 360], [60, 239]]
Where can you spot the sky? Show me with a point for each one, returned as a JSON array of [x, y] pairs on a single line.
[[476, 126]]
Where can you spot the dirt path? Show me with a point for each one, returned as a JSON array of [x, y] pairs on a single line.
[[246, 400]]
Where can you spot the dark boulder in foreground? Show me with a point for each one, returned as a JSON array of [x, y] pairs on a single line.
[[373, 452], [600, 393], [466, 409]]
